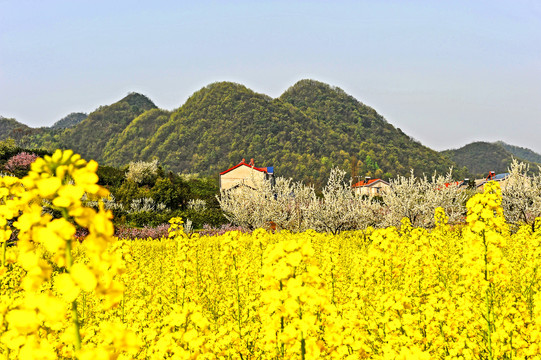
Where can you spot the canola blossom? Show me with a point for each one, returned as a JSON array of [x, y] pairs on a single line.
[[452, 292]]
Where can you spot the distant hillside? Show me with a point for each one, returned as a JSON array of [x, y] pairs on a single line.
[[309, 129], [92, 135], [225, 122], [130, 143], [69, 121], [304, 133], [11, 128], [521, 153], [482, 157], [362, 133]]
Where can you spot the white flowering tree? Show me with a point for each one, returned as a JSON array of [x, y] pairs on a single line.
[[405, 198], [141, 171], [282, 204], [368, 212], [145, 205], [109, 202], [448, 194], [248, 206], [294, 206], [417, 199], [336, 211], [287, 207], [197, 204], [521, 194]]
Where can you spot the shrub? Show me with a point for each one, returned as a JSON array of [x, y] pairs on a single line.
[[521, 195], [218, 231], [141, 172], [20, 163], [146, 232]]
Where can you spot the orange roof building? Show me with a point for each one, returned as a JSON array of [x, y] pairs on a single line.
[[370, 187], [244, 174]]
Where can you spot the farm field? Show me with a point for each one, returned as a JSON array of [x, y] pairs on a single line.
[[469, 291]]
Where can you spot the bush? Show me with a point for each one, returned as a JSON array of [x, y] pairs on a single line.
[[146, 232], [110, 176], [150, 218], [20, 163], [213, 217], [141, 172], [218, 231]]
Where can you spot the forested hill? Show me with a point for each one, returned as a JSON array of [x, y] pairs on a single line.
[[9, 127], [69, 121], [522, 153], [225, 122], [92, 135], [305, 132], [362, 133], [130, 143], [481, 157]]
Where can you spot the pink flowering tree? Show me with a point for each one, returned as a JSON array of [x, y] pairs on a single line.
[[20, 163]]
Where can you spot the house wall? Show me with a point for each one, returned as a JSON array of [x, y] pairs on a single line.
[[480, 184], [241, 175], [373, 189]]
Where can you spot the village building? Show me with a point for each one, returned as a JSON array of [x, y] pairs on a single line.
[[370, 187], [244, 174], [460, 184], [492, 176]]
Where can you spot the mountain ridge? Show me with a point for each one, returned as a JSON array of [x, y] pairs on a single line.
[[69, 120], [480, 157], [110, 120], [310, 128], [521, 152]]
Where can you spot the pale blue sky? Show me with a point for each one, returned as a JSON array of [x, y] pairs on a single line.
[[445, 72]]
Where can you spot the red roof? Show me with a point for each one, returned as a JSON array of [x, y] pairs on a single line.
[[453, 183], [242, 163], [364, 183]]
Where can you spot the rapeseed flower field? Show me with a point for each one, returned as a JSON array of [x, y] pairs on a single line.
[[453, 292]]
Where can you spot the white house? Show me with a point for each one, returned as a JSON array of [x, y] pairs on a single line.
[[370, 187], [244, 174]]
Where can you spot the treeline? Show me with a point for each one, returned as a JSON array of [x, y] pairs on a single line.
[[521, 153], [143, 194], [296, 207], [481, 157], [15, 160]]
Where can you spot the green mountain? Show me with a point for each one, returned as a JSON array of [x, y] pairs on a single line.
[[130, 143], [91, 136], [304, 133], [225, 122], [11, 128], [482, 157], [309, 129], [69, 121], [521, 153], [357, 129]]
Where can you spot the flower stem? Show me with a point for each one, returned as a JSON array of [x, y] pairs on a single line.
[[74, 313]]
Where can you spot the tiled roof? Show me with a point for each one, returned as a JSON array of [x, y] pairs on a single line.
[[365, 183], [459, 183], [500, 176], [242, 163]]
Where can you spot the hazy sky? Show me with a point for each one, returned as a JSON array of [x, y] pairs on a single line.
[[445, 72]]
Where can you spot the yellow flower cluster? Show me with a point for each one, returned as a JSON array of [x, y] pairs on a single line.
[[39, 313], [485, 210], [463, 292]]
